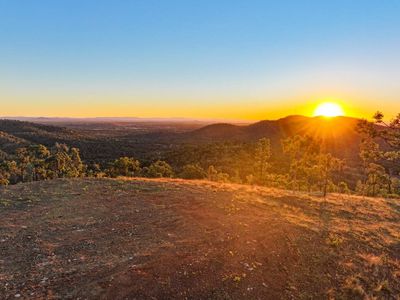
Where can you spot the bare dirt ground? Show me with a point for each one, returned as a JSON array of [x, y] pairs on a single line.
[[163, 239]]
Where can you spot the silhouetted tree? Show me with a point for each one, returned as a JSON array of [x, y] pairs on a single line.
[[159, 169], [94, 170], [4, 174], [65, 162], [212, 173], [327, 164], [38, 157], [391, 136], [374, 160], [344, 188], [262, 159], [376, 179], [302, 152], [192, 171], [125, 166]]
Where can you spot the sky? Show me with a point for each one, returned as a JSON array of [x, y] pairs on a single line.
[[233, 59]]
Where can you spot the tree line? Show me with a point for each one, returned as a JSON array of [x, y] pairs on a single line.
[[305, 166]]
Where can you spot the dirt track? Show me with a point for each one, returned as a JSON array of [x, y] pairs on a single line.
[[160, 239]]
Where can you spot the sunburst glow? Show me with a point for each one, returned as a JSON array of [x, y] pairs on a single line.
[[328, 109]]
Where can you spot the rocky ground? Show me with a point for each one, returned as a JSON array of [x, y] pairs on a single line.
[[162, 239]]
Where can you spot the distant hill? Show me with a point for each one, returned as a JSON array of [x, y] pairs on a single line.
[[15, 134], [9, 143], [96, 142], [168, 239], [35, 131], [66, 120], [318, 127], [338, 134], [107, 142]]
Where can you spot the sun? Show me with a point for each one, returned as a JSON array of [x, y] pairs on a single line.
[[328, 109]]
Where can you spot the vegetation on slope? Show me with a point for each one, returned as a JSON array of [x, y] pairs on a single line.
[[306, 161]]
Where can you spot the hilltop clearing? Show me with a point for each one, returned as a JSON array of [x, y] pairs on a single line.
[[164, 238]]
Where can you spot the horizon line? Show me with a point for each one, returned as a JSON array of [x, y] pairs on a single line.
[[161, 119]]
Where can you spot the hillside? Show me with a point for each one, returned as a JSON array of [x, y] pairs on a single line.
[[338, 134], [100, 145], [16, 134], [100, 142], [158, 239], [103, 142], [9, 143], [288, 126], [34, 131]]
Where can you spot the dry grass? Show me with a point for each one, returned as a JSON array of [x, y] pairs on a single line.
[[163, 238]]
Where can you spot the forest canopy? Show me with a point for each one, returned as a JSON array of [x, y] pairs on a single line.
[[303, 162]]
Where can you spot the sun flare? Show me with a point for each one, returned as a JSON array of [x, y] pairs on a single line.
[[328, 109]]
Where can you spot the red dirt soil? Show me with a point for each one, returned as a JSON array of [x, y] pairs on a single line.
[[162, 239]]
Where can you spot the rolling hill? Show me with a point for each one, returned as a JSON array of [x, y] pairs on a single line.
[[104, 143], [159, 239], [338, 134], [95, 145], [9, 143], [288, 126], [15, 134]]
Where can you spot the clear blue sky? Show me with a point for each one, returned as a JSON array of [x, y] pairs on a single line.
[[228, 59]]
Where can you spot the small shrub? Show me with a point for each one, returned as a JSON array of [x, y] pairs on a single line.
[[192, 171], [159, 169], [334, 240]]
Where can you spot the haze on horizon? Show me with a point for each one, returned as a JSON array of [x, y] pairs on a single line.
[[247, 60]]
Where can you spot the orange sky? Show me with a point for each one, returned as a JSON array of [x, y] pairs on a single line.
[[256, 60], [238, 109]]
